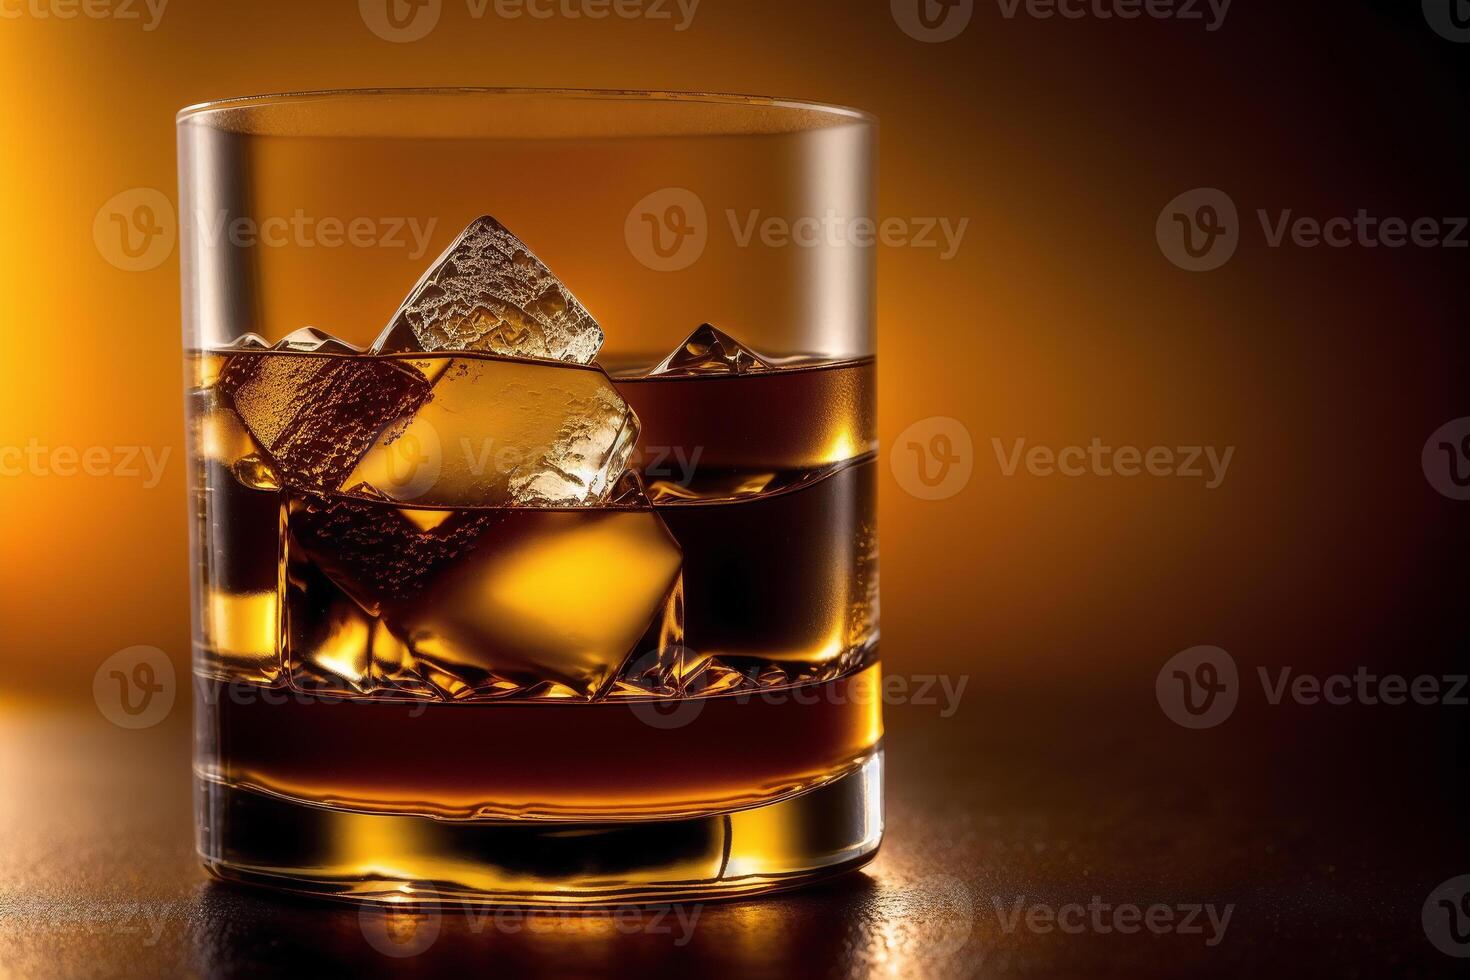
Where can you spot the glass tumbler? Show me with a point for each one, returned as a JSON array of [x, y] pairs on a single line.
[[532, 440]]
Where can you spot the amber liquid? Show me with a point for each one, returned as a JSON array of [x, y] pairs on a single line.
[[753, 677]]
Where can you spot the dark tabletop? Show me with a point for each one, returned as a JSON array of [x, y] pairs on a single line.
[[1025, 833]]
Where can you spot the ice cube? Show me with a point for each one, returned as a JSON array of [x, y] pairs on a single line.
[[247, 341], [503, 432], [314, 416], [310, 340], [479, 604], [710, 351], [488, 292]]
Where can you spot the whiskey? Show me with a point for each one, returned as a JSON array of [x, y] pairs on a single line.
[[455, 602]]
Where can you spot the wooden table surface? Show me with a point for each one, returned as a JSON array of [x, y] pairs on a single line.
[[1321, 831]]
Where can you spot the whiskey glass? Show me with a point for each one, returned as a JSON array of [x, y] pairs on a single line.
[[533, 494]]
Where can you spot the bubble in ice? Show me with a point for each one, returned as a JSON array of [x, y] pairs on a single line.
[[313, 417], [489, 292], [710, 351]]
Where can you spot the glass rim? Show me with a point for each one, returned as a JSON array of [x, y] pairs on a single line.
[[839, 114]]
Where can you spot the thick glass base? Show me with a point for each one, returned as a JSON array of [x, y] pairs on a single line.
[[261, 839]]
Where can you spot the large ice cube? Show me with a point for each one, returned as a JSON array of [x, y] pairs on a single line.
[[473, 604], [314, 416], [488, 292], [503, 432], [710, 351]]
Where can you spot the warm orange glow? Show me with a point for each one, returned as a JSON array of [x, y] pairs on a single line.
[[1056, 321]]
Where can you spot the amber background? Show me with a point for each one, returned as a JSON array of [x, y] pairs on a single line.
[[1058, 321]]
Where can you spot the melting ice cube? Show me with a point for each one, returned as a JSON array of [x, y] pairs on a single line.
[[247, 341], [310, 340], [487, 603], [499, 432], [710, 351], [488, 292], [314, 417]]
